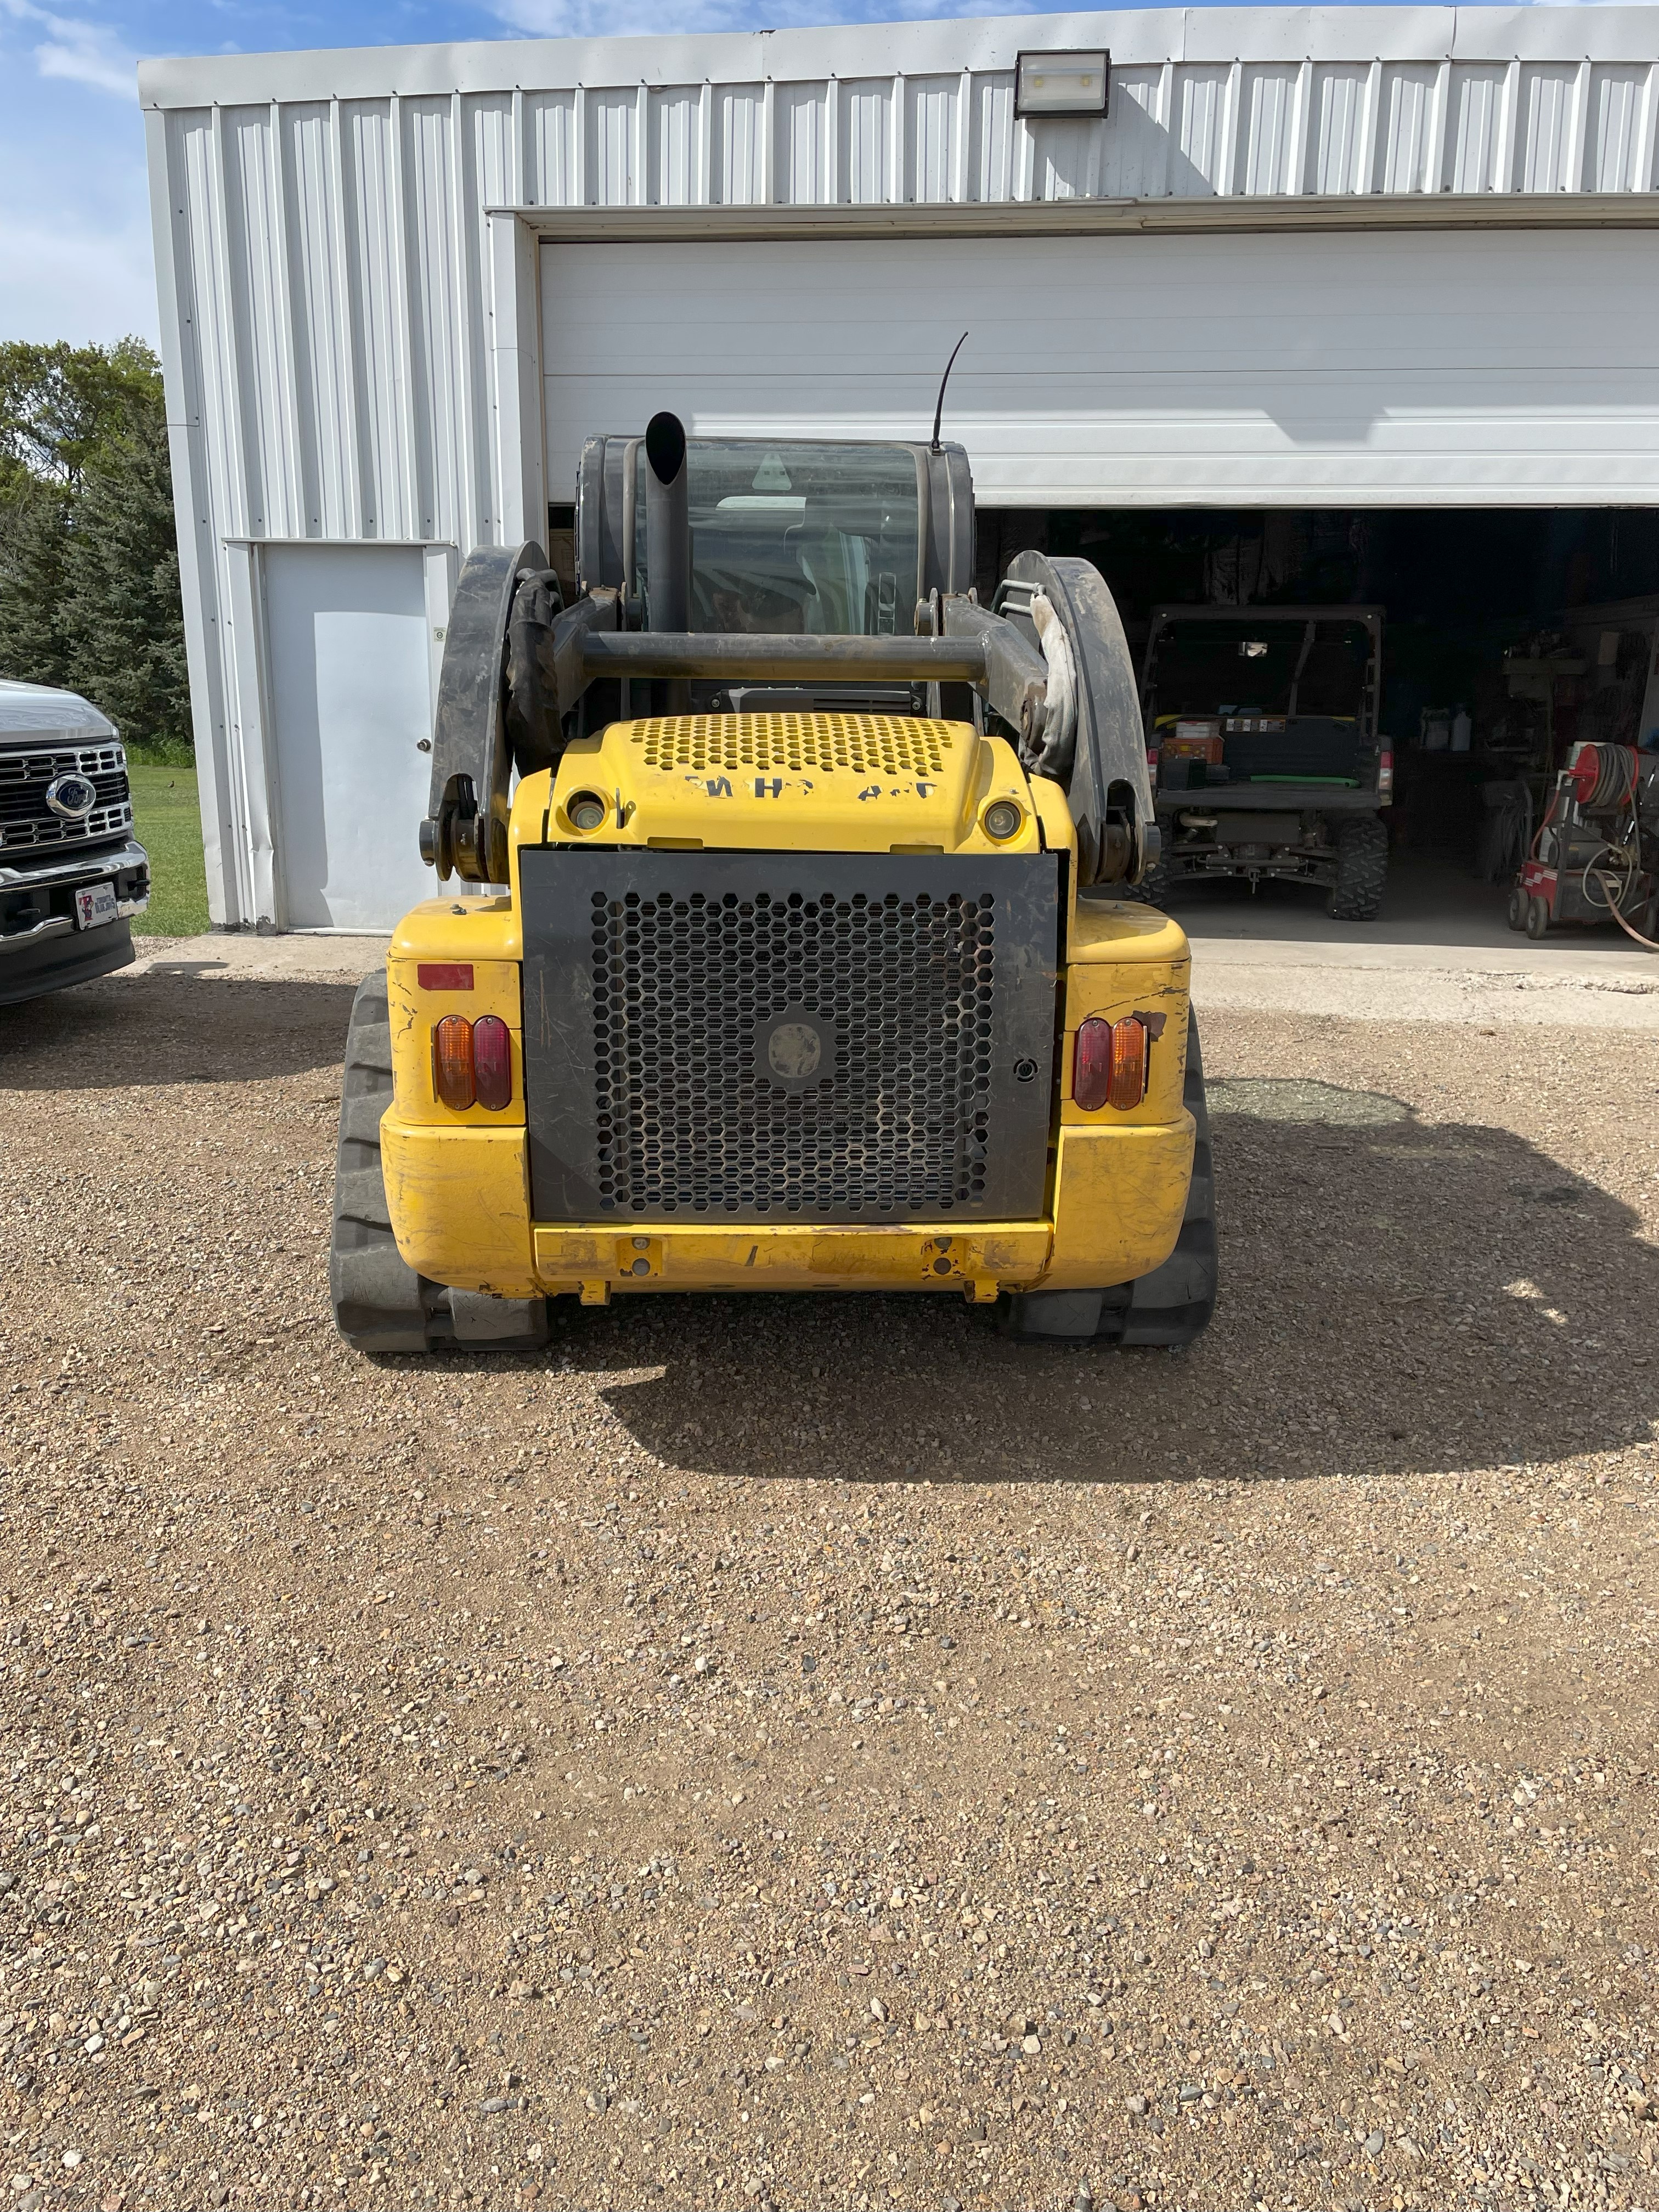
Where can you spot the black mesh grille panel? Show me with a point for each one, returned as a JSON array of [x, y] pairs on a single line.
[[692, 1117], [772, 1038], [861, 744]]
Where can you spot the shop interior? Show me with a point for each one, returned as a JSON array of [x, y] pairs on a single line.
[[1510, 635]]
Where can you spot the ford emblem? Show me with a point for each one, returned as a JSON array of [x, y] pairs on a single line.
[[72, 797]]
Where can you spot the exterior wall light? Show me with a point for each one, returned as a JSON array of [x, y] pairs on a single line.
[[1053, 85]]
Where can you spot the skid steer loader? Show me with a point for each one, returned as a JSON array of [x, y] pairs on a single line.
[[788, 948]]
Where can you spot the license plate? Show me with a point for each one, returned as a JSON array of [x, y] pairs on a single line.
[[95, 906]]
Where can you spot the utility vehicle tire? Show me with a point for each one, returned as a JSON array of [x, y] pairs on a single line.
[[380, 1304], [1538, 918], [1362, 869], [1171, 1306], [1156, 887], [1519, 902]]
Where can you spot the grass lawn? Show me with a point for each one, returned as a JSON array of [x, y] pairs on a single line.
[[168, 823]]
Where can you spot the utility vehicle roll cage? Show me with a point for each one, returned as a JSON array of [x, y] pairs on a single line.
[[1166, 620]]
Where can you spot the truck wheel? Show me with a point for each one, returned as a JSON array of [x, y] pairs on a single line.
[[1538, 917], [1169, 1307], [1362, 868], [380, 1304], [1519, 901]]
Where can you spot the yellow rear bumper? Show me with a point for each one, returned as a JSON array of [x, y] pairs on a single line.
[[459, 1206]]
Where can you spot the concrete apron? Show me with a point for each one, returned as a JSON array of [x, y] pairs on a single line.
[[1566, 982], [229, 956], [1560, 984]]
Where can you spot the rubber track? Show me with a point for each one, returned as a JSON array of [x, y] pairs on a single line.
[[1362, 870], [380, 1304], [1173, 1304]]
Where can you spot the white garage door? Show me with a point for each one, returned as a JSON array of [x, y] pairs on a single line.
[[1280, 369]]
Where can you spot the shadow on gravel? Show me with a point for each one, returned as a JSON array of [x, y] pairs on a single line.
[[135, 1032], [1396, 1295]]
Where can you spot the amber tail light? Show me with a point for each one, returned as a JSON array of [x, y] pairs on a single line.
[[452, 1075], [1108, 1065]]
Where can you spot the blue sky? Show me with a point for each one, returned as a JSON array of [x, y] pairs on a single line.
[[74, 240], [75, 237]]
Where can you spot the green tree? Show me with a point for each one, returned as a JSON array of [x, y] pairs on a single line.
[[121, 577], [35, 644], [88, 557], [60, 404]]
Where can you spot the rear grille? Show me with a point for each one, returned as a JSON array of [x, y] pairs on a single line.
[[897, 991], [772, 1038], [27, 823], [864, 744]]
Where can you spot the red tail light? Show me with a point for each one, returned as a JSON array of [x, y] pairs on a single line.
[[452, 1062], [1109, 1067], [444, 974], [1091, 1065], [1385, 775], [492, 1061]]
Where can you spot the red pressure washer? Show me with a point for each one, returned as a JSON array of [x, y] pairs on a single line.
[[1597, 852]]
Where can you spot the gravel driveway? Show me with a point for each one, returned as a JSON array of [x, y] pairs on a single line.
[[812, 1751]]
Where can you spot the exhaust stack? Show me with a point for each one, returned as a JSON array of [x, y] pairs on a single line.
[[668, 538]]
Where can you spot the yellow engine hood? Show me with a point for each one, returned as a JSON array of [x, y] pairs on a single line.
[[847, 783]]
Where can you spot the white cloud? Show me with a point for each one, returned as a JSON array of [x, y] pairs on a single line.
[[78, 52]]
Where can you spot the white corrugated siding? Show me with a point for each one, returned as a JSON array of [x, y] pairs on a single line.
[[334, 331], [333, 258]]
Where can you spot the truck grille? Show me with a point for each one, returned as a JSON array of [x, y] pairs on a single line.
[[770, 1037], [27, 823]]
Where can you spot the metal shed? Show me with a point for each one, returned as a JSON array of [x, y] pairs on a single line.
[[1359, 257]]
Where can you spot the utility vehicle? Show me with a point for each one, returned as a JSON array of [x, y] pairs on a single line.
[[1263, 743]]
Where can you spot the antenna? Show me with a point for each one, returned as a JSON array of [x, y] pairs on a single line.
[[938, 411]]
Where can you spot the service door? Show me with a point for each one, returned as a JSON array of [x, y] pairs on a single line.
[[350, 688]]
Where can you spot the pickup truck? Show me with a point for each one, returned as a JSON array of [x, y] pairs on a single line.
[[72, 873]]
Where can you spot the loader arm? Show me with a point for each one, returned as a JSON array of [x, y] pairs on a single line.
[[1108, 789], [505, 685], [1013, 678]]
